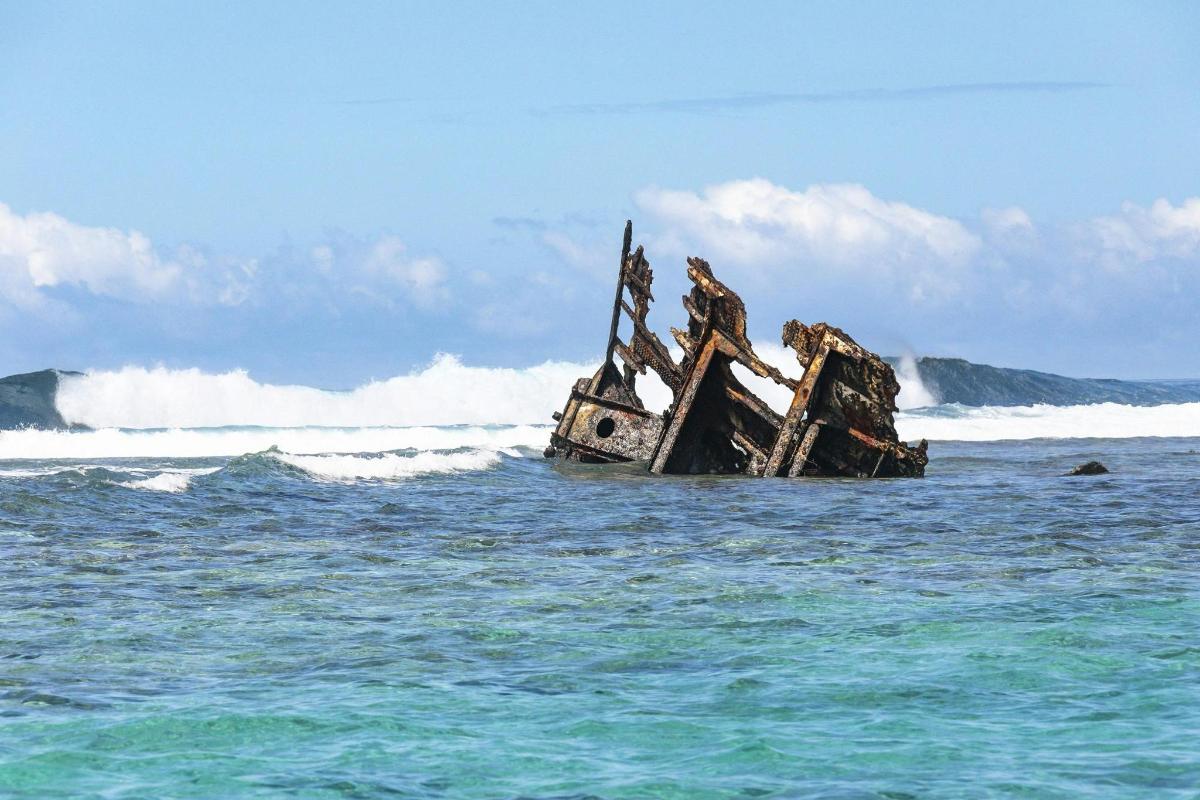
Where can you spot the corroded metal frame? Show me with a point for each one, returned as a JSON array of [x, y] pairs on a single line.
[[839, 421]]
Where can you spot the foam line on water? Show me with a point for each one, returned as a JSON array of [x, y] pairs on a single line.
[[1106, 420], [390, 466], [173, 481], [158, 480], [204, 443], [1101, 421]]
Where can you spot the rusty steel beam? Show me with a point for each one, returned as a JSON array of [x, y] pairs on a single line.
[[796, 411], [616, 314], [839, 421], [680, 409]]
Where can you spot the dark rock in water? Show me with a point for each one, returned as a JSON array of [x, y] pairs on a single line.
[[1090, 468], [27, 400], [953, 380]]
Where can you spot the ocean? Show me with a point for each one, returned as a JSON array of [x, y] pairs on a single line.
[[422, 606]]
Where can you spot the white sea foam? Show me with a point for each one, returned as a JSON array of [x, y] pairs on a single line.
[[940, 423], [447, 406], [170, 480], [390, 466], [447, 392], [211, 442], [913, 392], [174, 481], [1101, 420]]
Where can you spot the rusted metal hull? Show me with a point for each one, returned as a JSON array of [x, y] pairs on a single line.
[[839, 421], [602, 425]]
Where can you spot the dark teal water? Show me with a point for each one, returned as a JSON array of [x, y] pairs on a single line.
[[994, 630]]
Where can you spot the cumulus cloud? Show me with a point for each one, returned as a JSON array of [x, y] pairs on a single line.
[[589, 258], [1007, 220], [896, 274], [843, 234], [1138, 235], [380, 271], [422, 279], [44, 250], [843, 226], [41, 251]]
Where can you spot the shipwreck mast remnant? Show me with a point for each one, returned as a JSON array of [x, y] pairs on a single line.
[[604, 420], [839, 421]]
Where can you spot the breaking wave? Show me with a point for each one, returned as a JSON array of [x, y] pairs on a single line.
[[150, 479], [350, 452], [171, 480], [447, 392], [1098, 421], [392, 466], [333, 467], [447, 417]]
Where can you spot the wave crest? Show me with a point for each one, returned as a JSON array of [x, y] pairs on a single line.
[[208, 443], [1097, 421], [392, 466], [447, 392]]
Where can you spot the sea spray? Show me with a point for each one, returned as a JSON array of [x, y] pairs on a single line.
[[159, 412], [446, 392], [913, 391]]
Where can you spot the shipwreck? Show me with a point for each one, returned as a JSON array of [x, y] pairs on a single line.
[[839, 422]]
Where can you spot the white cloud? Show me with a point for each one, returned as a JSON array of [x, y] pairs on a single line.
[[1138, 235], [423, 279], [1007, 220], [40, 251], [322, 256], [43, 250], [756, 222], [843, 235], [594, 261]]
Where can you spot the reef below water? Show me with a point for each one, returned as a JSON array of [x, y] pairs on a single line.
[[460, 618]]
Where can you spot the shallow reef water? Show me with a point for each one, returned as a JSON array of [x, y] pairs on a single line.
[[483, 623]]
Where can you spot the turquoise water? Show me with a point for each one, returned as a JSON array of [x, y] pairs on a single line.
[[994, 630]]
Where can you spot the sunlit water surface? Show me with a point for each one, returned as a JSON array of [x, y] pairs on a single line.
[[242, 627]]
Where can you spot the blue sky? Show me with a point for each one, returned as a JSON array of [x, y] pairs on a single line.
[[327, 193]]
